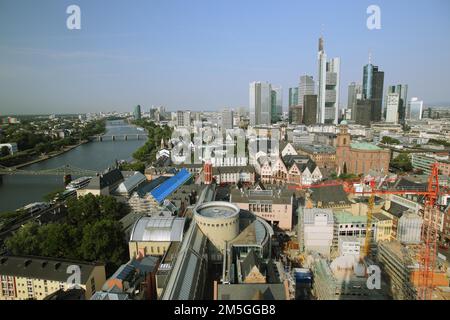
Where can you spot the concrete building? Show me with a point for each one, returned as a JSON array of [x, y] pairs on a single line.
[[409, 228], [306, 88], [415, 109], [402, 91], [103, 184], [296, 114], [137, 113], [260, 97], [310, 109], [274, 205], [183, 118], [227, 119], [152, 236], [24, 278], [318, 230], [234, 174], [328, 83], [324, 156], [392, 107], [354, 94]]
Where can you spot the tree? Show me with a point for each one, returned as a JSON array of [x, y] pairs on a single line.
[[402, 162], [4, 151], [25, 241], [389, 140], [104, 241]]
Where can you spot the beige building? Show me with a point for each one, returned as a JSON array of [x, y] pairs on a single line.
[[152, 236], [33, 278]]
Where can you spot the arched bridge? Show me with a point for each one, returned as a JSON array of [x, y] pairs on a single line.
[[60, 171]]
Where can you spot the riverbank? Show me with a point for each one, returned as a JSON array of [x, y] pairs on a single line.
[[49, 156]]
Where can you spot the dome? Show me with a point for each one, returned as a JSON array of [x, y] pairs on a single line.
[[344, 123]]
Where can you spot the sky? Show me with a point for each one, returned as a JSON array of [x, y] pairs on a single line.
[[201, 55]]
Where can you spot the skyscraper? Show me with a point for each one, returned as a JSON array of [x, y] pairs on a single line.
[[293, 96], [310, 109], [278, 101], [296, 114], [415, 109], [392, 107], [137, 112], [328, 88], [363, 111], [306, 87], [183, 118], [373, 80], [402, 91], [354, 93], [260, 96], [227, 118]]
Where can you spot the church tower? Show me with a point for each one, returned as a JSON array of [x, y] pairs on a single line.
[[343, 148]]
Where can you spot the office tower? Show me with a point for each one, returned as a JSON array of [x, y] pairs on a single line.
[[306, 87], [363, 111], [402, 91], [293, 96], [137, 112], [415, 109], [373, 80], [392, 107], [227, 119], [328, 88], [354, 93], [278, 102], [310, 109], [260, 103], [183, 118], [296, 114]]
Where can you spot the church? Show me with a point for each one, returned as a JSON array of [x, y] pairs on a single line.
[[359, 157]]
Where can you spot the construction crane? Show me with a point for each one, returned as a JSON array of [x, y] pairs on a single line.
[[428, 253]]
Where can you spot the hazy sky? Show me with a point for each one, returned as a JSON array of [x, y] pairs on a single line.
[[202, 54]]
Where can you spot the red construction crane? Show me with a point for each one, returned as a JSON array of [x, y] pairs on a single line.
[[429, 229]]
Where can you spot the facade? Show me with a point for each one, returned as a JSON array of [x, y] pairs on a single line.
[[309, 109], [24, 278], [276, 103], [260, 96], [324, 156], [359, 158], [137, 113], [392, 107], [328, 94], [293, 96], [415, 109], [307, 87], [234, 174], [273, 205], [354, 94], [318, 230], [227, 119], [373, 80], [296, 114], [183, 118], [152, 236], [363, 112], [103, 184], [402, 91]]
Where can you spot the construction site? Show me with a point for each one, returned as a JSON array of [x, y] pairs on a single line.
[[372, 239]]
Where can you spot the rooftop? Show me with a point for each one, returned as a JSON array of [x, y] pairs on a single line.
[[364, 146], [167, 187], [217, 209], [158, 229]]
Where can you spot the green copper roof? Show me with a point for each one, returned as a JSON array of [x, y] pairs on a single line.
[[364, 146]]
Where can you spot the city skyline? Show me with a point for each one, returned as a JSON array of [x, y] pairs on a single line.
[[205, 58]]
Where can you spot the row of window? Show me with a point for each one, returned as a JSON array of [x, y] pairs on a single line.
[[217, 225]]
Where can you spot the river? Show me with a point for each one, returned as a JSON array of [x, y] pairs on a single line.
[[19, 190]]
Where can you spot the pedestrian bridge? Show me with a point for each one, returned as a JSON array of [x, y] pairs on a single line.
[[124, 137], [60, 171]]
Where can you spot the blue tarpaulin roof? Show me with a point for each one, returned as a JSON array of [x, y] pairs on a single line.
[[167, 187]]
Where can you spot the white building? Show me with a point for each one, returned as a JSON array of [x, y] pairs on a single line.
[[415, 109], [318, 226], [328, 90], [392, 105], [12, 146], [227, 119]]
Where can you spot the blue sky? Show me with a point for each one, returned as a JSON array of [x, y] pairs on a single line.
[[202, 54]]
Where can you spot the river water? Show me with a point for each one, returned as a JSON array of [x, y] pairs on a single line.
[[19, 190]]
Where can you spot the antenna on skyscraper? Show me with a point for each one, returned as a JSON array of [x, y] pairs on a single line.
[[370, 56]]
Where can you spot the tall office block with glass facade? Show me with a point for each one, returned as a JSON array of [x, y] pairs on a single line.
[[328, 88], [293, 96], [306, 87], [137, 112], [260, 103], [373, 81], [415, 109], [354, 94], [276, 103]]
